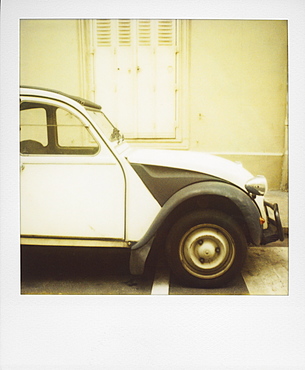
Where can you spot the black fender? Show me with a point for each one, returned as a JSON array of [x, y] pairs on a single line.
[[247, 207]]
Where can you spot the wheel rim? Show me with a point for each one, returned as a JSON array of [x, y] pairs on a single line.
[[207, 251]]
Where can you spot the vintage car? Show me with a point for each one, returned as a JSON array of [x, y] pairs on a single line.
[[82, 185]]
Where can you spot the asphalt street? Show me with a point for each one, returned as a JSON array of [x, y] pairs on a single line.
[[81, 271]]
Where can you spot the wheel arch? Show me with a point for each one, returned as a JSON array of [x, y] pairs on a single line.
[[206, 201], [203, 195]]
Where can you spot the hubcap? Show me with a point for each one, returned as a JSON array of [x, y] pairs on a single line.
[[207, 251]]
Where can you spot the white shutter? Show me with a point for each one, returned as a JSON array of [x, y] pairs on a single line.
[[125, 99], [105, 73], [146, 107], [136, 75], [165, 78]]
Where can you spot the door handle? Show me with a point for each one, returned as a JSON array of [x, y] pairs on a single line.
[[22, 167]]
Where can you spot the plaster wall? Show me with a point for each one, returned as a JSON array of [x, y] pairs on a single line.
[[238, 92]]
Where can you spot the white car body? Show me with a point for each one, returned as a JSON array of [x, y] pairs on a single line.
[[72, 184], [106, 193]]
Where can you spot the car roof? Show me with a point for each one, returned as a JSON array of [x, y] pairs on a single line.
[[82, 101]]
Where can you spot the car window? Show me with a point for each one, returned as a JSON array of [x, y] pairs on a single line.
[[111, 132], [73, 134], [33, 130], [48, 129]]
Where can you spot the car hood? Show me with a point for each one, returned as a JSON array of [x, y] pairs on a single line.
[[192, 161]]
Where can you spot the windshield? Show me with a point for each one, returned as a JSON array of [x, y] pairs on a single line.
[[112, 133]]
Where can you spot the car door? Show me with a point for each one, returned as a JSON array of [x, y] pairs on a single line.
[[72, 185]]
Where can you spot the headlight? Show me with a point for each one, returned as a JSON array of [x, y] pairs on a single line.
[[257, 185]]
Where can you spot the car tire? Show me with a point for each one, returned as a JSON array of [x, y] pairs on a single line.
[[206, 249]]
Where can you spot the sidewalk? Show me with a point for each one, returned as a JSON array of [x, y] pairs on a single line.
[[281, 198]]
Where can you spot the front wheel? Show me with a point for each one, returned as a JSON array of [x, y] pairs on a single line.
[[206, 249]]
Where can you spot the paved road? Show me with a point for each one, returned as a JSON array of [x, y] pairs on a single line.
[[105, 271]]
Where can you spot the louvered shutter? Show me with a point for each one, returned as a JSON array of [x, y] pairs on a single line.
[[136, 75]]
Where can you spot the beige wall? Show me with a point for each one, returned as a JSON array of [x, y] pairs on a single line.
[[237, 84], [238, 92], [49, 54]]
